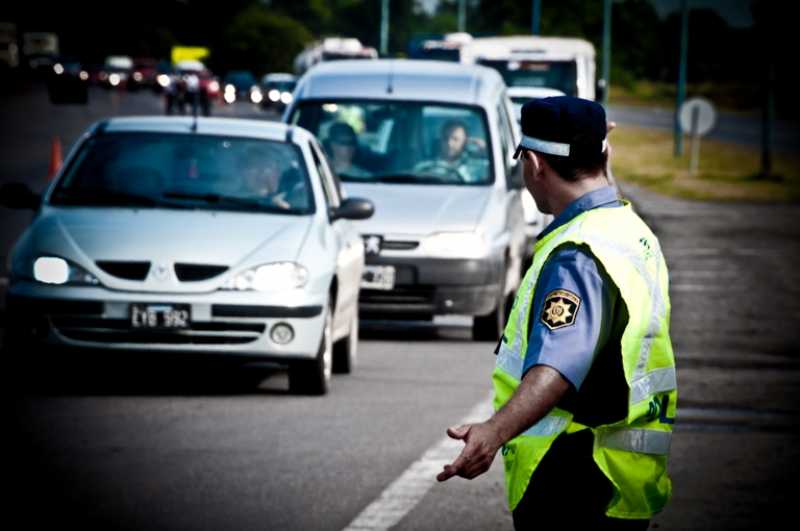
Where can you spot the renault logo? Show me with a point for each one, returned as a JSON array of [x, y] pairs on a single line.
[[161, 272]]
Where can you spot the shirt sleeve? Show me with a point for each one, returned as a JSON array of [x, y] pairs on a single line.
[[570, 314]]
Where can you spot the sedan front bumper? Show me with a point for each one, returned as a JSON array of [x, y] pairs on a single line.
[[223, 322]]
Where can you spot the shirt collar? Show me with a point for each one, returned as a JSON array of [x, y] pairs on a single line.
[[602, 197]]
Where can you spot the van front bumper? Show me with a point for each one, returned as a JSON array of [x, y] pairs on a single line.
[[433, 286]]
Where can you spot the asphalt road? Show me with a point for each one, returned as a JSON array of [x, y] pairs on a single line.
[[149, 443], [729, 127]]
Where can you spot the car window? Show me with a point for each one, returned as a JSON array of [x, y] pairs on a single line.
[[188, 171], [332, 196], [401, 142]]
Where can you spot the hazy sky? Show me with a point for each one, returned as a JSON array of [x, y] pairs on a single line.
[[735, 12]]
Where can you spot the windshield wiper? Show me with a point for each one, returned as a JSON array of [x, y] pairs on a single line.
[[221, 199], [105, 198], [407, 178]]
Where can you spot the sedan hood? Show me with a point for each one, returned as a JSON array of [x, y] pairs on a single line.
[[166, 237], [421, 209]]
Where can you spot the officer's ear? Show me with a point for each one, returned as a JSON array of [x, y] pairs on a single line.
[[533, 160]]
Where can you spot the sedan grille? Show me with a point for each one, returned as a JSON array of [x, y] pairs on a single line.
[[126, 270], [109, 331], [198, 272]]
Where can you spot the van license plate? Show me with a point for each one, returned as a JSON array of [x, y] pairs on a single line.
[[378, 277]]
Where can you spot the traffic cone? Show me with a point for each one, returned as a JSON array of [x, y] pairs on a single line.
[[55, 158]]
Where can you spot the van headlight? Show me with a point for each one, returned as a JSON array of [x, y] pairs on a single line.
[[269, 277], [54, 270], [455, 245]]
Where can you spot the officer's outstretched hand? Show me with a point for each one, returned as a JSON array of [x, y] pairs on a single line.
[[482, 443]]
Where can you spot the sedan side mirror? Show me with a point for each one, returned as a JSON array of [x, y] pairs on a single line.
[[353, 208], [19, 196]]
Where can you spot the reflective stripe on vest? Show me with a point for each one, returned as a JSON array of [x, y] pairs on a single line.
[[636, 440]]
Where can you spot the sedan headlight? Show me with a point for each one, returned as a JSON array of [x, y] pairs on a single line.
[[269, 277], [455, 245], [53, 270], [255, 95]]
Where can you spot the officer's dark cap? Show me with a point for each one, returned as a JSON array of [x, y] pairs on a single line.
[[564, 126]]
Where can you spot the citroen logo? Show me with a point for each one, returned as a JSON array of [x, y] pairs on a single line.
[[372, 244]]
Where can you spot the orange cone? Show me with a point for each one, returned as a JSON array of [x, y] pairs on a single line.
[[55, 158]]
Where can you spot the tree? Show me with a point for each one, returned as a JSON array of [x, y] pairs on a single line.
[[261, 40]]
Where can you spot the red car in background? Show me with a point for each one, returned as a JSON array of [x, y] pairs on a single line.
[[144, 73]]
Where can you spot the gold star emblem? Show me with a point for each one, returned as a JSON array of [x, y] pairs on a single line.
[[560, 309], [558, 312]]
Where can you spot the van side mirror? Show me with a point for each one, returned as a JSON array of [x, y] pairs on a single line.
[[353, 208], [19, 196]]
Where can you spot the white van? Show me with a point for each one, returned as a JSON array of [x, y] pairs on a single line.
[[431, 144], [537, 66]]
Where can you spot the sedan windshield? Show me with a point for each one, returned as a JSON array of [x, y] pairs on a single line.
[[401, 142], [186, 171]]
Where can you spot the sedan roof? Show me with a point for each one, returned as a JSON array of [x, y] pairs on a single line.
[[206, 126]]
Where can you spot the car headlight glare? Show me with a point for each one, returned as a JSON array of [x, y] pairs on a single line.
[[455, 245], [274, 95], [269, 277], [163, 80], [286, 98], [53, 270]]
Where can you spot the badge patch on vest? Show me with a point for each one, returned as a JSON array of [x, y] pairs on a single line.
[[560, 309]]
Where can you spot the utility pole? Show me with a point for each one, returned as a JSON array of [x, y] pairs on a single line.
[[606, 50], [462, 15], [536, 16], [681, 92], [384, 27]]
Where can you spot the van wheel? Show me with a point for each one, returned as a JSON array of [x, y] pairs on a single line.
[[346, 349], [313, 377]]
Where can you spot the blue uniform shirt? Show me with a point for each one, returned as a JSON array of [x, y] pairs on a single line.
[[571, 348]]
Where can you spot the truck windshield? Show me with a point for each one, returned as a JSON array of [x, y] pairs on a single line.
[[560, 75], [401, 142]]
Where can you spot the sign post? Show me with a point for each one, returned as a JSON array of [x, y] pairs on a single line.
[[697, 117]]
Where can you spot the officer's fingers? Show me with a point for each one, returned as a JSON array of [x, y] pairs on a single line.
[[453, 469], [458, 432], [610, 126]]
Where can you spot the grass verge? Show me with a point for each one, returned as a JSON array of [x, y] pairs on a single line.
[[727, 171]]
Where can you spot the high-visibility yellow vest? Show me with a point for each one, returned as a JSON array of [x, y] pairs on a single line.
[[632, 452]]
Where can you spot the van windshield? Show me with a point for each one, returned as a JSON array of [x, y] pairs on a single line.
[[401, 142], [560, 75]]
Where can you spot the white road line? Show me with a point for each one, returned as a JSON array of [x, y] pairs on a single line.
[[405, 492]]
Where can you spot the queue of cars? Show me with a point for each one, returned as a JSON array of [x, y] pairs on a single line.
[[247, 239]]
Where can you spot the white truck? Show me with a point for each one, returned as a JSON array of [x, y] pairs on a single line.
[[331, 49]]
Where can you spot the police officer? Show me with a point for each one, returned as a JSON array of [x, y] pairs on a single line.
[[584, 379]]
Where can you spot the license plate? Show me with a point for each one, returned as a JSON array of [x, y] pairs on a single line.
[[378, 277], [160, 316]]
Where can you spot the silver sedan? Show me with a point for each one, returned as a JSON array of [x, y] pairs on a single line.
[[214, 236]]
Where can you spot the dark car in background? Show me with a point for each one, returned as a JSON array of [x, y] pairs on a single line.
[[117, 71], [68, 82], [276, 90], [241, 85]]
